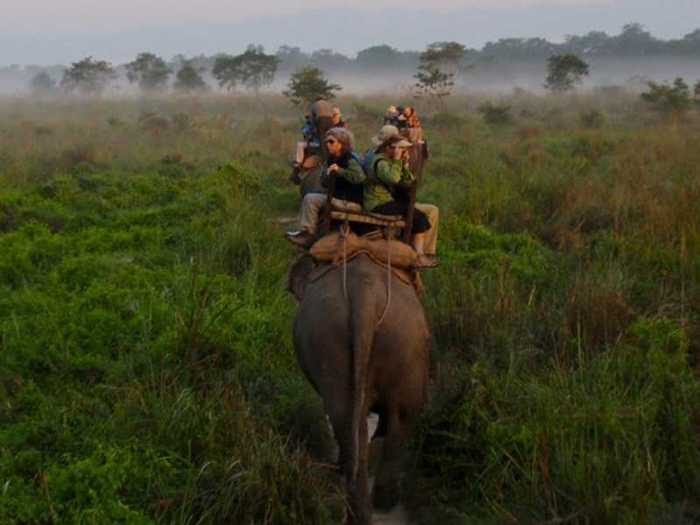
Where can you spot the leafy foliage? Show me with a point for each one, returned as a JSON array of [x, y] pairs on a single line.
[[189, 79], [253, 69], [150, 71], [564, 72], [308, 85], [437, 70], [88, 76], [674, 98]]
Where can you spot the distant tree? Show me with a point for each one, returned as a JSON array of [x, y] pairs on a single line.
[[42, 84], [564, 72], [378, 56], [673, 99], [150, 71], [308, 85], [189, 79], [253, 69], [635, 40], [519, 49], [88, 76], [592, 43], [697, 92], [437, 70], [446, 56], [433, 83], [327, 59], [292, 58]]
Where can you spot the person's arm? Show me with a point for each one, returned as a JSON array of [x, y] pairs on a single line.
[[353, 173], [394, 173]]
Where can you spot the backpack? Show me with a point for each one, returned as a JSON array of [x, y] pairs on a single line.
[[399, 194]]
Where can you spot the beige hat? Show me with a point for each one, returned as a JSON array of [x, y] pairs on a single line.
[[385, 133], [404, 144]]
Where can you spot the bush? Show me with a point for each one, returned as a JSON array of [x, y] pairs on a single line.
[[496, 114]]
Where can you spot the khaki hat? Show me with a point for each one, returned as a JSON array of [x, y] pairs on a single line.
[[386, 133], [404, 144]]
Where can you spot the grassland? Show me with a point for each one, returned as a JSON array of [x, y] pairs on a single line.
[[146, 368]]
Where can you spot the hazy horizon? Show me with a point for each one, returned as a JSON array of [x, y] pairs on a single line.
[[42, 33]]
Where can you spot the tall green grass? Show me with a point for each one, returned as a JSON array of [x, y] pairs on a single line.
[[146, 369]]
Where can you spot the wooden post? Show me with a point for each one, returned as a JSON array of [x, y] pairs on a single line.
[[410, 212]]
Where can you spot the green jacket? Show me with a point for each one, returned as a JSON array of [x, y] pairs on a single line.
[[353, 173], [383, 174], [348, 182]]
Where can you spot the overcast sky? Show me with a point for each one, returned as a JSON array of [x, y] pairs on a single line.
[[60, 31]]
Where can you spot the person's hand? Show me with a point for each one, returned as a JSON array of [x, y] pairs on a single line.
[[333, 168], [397, 153]]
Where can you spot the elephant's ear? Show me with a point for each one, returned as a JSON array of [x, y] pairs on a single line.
[[298, 276]]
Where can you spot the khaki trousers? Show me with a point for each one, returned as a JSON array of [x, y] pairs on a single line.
[[311, 207], [431, 236]]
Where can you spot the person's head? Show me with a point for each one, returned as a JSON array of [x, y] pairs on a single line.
[[393, 147], [336, 116], [385, 132], [391, 111], [339, 141], [408, 112]]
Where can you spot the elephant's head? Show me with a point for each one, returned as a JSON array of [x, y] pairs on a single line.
[[298, 276]]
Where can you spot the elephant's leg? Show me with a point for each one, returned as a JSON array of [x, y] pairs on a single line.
[[387, 483]]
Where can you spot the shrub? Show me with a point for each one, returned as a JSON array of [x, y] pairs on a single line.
[[496, 114]]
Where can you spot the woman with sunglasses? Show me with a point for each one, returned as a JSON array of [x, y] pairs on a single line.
[[387, 185], [349, 178]]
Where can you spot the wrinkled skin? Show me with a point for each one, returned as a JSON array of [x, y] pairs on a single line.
[[340, 344]]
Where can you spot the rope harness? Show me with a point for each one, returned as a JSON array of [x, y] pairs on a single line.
[[344, 232]]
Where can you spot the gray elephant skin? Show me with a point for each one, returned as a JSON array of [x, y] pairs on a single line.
[[362, 353]]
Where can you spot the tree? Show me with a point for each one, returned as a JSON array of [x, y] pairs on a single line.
[[189, 79], [564, 72], [292, 58], [673, 99], [446, 56], [697, 92], [42, 84], [150, 71], [88, 76], [253, 69], [378, 57], [308, 85], [437, 70], [433, 83]]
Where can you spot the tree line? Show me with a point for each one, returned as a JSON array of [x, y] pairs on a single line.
[[436, 68]]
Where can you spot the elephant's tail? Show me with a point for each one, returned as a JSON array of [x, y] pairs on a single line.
[[362, 327]]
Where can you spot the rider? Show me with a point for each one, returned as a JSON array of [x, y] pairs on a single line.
[[386, 191], [311, 141], [349, 176], [337, 119]]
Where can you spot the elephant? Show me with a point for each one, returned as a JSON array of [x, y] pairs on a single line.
[[364, 346]]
